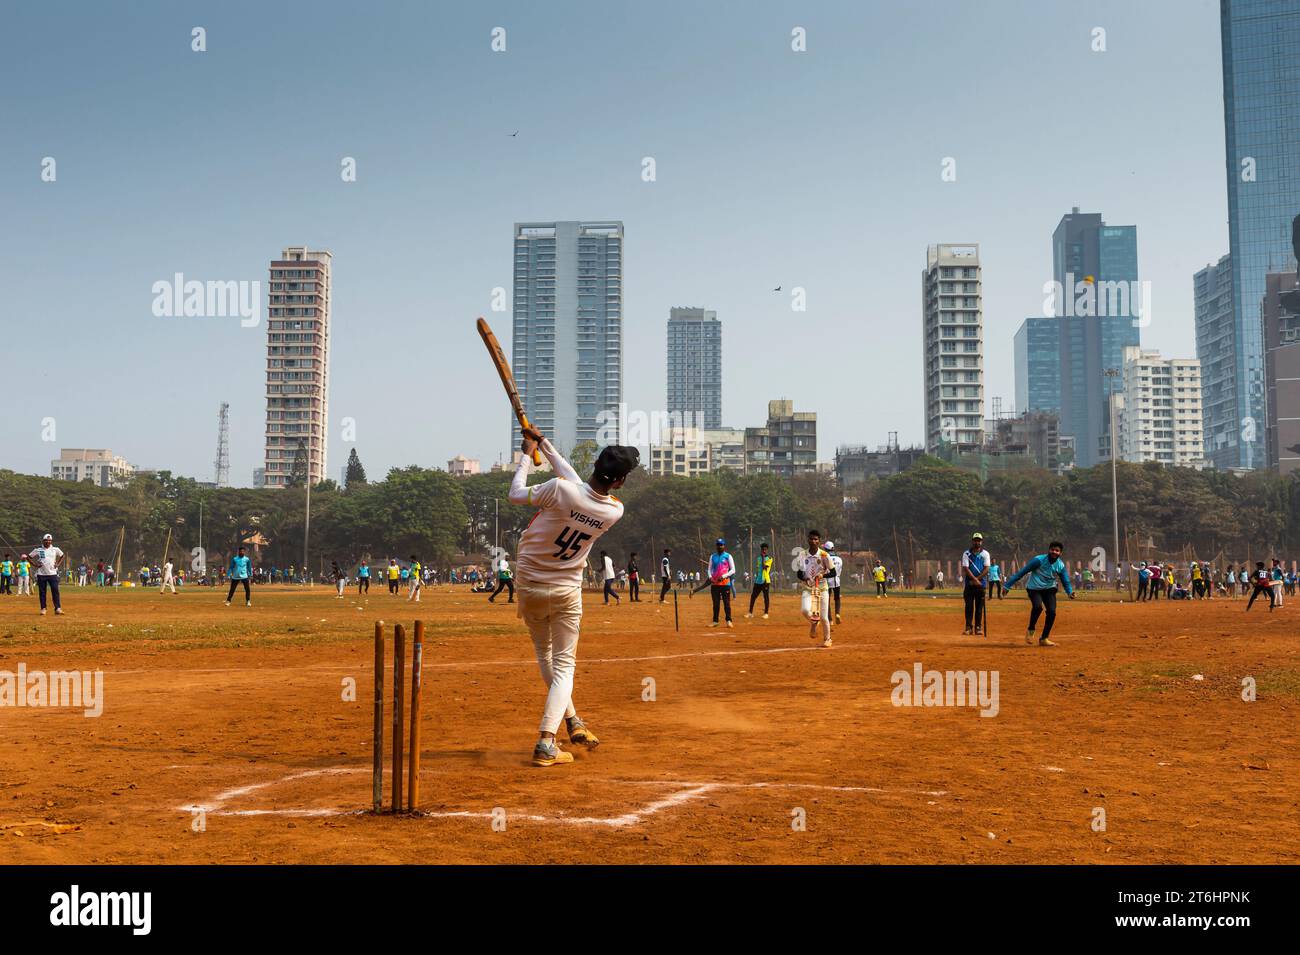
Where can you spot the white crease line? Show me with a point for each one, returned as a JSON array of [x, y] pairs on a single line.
[[686, 792]]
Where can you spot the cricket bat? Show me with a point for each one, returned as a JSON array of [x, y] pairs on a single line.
[[815, 587], [507, 379]]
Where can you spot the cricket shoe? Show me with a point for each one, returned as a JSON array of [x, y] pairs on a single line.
[[579, 735], [764, 616], [826, 642], [813, 628], [966, 632], [729, 627], [546, 753], [1029, 637], [837, 619], [1046, 643], [749, 616]]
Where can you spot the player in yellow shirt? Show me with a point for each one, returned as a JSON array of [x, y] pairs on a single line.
[[762, 581], [394, 575], [878, 575]]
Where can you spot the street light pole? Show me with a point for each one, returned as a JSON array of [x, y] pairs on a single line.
[[1113, 373], [306, 528]]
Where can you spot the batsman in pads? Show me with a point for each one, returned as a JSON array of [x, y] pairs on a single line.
[[572, 515], [812, 568]]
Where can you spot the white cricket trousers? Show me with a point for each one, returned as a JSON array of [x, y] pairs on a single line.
[[25, 585], [414, 592], [168, 581], [553, 615], [806, 608]]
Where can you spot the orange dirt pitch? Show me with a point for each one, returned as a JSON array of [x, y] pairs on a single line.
[[233, 734]]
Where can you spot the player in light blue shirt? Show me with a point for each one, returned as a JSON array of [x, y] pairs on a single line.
[[1043, 572], [239, 572]]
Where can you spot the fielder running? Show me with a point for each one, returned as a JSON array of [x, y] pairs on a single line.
[[552, 553]]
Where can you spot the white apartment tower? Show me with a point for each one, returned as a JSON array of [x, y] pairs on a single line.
[[952, 306], [1158, 411], [297, 364]]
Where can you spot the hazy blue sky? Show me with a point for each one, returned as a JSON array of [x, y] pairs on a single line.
[[817, 169]]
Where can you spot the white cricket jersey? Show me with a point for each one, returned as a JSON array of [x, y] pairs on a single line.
[[812, 564], [555, 545], [838, 563], [46, 559]]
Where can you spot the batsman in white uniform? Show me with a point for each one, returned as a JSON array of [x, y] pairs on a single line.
[[167, 579], [812, 569], [553, 551]]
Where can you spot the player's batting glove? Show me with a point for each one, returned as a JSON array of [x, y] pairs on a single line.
[[533, 434]]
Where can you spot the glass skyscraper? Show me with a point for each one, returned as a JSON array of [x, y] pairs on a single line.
[[1261, 115], [1038, 366], [567, 351], [1095, 324], [1216, 339]]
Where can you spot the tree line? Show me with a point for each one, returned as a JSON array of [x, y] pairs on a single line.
[[926, 512]]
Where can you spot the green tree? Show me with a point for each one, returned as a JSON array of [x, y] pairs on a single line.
[[356, 474]]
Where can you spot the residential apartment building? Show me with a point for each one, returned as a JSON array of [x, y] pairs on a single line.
[[688, 452], [567, 350], [786, 446], [953, 350], [1158, 410], [100, 466], [694, 367], [297, 366]]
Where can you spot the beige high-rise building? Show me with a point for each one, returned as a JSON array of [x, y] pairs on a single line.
[[952, 297], [98, 465], [297, 364]]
